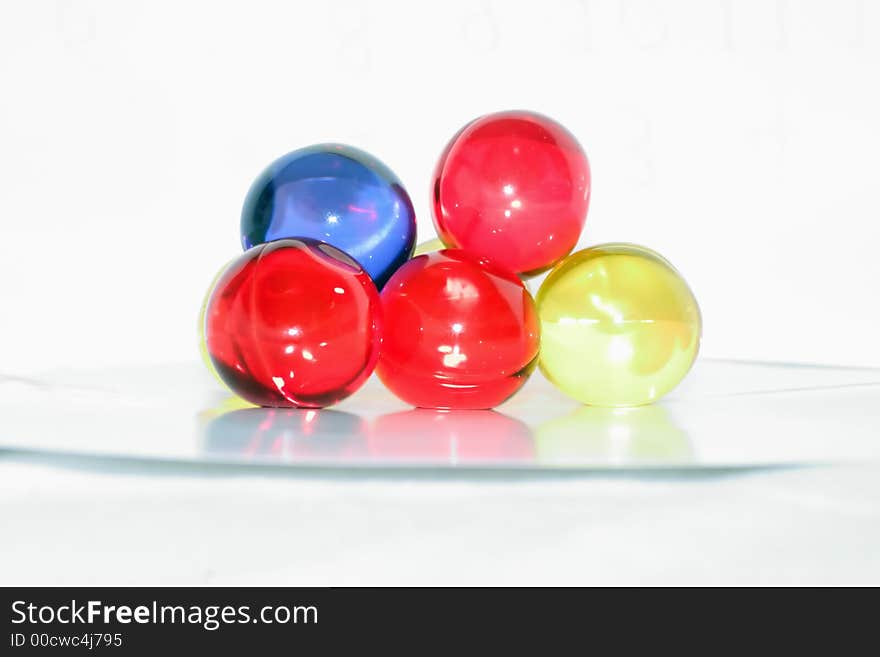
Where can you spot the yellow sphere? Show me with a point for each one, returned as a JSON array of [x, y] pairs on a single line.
[[431, 245], [203, 346], [619, 326], [437, 244]]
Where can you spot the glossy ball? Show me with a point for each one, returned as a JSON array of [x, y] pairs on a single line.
[[459, 333], [513, 187], [428, 246], [294, 323], [203, 311], [619, 326], [339, 195]]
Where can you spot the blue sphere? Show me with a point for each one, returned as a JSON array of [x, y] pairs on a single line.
[[337, 194]]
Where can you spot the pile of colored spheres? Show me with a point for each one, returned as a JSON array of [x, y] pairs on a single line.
[[331, 286]]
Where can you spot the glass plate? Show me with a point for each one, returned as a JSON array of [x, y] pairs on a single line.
[[726, 414]]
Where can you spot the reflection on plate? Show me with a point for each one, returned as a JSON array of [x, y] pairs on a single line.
[[285, 435], [640, 435], [453, 437], [418, 436], [725, 414], [645, 435]]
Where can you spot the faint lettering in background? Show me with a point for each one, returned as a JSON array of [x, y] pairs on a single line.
[[781, 24], [480, 28], [352, 46], [76, 22], [718, 130], [585, 19], [643, 173], [645, 23], [726, 25]]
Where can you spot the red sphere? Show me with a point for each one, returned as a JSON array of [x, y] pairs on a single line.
[[294, 323], [459, 332], [513, 187]]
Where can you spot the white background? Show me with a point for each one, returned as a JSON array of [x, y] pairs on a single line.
[[739, 138]]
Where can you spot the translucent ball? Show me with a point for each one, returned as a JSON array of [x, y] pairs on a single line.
[[513, 187], [429, 246], [203, 345], [459, 333], [337, 194], [619, 326], [293, 323]]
